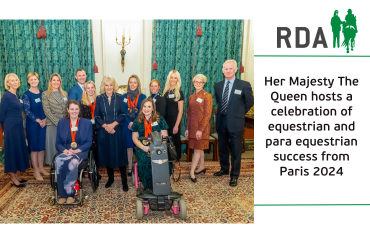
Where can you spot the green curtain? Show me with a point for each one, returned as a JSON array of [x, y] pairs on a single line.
[[175, 45], [68, 46]]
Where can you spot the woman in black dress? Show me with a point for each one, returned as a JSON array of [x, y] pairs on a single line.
[[87, 105], [109, 120], [174, 108], [15, 149], [160, 101]]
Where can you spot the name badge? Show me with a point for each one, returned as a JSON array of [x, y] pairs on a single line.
[[154, 100], [37, 100], [92, 121], [125, 100], [21, 101], [171, 96], [199, 100], [154, 124], [238, 92], [74, 129], [65, 99]]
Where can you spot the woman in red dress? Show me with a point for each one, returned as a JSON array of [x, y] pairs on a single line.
[[197, 124]]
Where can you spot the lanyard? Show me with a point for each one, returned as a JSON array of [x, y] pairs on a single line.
[[155, 95], [73, 133], [148, 127], [92, 107], [132, 103]]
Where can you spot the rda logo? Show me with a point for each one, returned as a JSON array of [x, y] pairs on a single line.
[[349, 31]]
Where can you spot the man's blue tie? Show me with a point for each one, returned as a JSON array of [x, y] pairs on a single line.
[[224, 99]]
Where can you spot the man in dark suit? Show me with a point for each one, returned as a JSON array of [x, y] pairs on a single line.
[[234, 98], [75, 93]]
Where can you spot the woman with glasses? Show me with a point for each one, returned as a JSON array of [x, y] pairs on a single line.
[[197, 125]]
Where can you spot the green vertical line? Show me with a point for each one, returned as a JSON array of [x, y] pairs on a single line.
[[306, 56]]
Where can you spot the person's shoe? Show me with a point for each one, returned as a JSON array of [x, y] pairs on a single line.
[[17, 186], [199, 172], [220, 173], [70, 200], [129, 173], [233, 182], [109, 183], [192, 179], [125, 187], [39, 178], [44, 173], [62, 200], [23, 181]]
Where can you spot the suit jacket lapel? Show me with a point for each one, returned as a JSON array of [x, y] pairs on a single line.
[[232, 94]]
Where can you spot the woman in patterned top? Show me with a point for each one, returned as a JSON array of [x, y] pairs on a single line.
[[147, 121], [197, 125]]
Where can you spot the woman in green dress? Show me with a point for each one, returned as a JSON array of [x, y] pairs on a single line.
[[147, 121]]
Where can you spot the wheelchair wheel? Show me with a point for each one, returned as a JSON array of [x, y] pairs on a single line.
[[183, 214], [51, 201], [139, 209], [133, 177], [94, 175], [83, 202], [53, 173]]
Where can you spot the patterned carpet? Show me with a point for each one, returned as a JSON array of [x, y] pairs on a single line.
[[210, 200]]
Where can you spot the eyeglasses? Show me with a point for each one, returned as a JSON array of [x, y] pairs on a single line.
[[196, 82]]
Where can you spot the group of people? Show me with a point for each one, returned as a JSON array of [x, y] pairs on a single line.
[[110, 124]]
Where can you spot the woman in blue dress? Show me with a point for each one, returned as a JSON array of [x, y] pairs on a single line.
[[15, 149], [35, 125], [109, 120], [131, 104]]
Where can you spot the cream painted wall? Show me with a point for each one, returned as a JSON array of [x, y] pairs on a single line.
[[139, 51], [248, 53]]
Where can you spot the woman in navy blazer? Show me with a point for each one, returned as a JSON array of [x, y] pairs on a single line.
[[74, 139]]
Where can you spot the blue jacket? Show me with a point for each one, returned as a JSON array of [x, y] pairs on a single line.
[[75, 93], [83, 136]]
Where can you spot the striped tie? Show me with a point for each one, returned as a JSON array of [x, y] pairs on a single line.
[[224, 98]]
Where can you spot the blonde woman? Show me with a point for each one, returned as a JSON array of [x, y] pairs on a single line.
[[35, 125], [109, 120], [131, 105], [197, 124], [174, 108], [15, 149], [88, 103], [54, 103]]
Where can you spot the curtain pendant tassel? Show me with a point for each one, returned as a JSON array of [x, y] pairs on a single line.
[[155, 66], [43, 32], [241, 68], [39, 33], [95, 68], [199, 31]]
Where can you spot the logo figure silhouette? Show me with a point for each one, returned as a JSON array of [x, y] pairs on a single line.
[[349, 29]]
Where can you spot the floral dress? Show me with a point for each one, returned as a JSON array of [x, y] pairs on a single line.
[[143, 161]]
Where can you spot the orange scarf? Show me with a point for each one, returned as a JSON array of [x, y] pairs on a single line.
[[148, 127], [132, 103], [92, 107]]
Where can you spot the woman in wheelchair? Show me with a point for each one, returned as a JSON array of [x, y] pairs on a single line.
[[74, 139], [147, 121]]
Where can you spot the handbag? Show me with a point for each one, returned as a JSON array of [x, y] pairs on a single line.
[[172, 154]]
